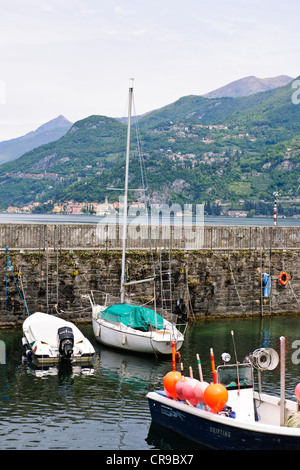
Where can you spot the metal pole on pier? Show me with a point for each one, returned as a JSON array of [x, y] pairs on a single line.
[[275, 213], [282, 380]]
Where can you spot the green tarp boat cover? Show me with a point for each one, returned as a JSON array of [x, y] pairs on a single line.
[[133, 315]]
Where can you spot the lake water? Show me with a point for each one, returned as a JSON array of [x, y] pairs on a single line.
[[93, 219], [105, 408]]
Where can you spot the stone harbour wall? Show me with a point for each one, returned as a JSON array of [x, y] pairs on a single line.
[[104, 236], [216, 282]]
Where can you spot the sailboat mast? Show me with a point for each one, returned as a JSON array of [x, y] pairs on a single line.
[[122, 292]]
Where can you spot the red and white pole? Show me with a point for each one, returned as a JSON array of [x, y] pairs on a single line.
[[275, 214]]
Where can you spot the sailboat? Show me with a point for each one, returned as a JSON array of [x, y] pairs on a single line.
[[129, 326]]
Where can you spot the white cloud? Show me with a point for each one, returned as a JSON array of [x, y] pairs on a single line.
[[75, 57]]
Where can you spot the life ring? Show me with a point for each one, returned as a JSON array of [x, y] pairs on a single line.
[[283, 278]]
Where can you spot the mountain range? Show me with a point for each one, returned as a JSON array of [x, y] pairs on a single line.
[[48, 132], [56, 128], [249, 85], [227, 151]]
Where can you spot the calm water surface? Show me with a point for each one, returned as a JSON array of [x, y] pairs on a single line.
[[105, 408], [93, 219]]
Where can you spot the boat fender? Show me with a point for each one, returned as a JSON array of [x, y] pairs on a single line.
[[98, 331], [124, 339], [27, 351], [25, 344], [29, 355], [283, 278]]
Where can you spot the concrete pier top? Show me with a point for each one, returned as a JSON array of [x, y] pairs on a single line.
[[103, 236]]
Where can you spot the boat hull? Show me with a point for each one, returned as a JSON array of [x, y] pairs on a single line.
[[53, 360], [122, 337], [213, 431]]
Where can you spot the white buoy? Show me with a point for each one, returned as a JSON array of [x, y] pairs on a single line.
[[275, 214]]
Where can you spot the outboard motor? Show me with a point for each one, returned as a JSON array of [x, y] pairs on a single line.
[[66, 341]]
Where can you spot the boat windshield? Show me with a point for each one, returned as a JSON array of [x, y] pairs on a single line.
[[234, 376]]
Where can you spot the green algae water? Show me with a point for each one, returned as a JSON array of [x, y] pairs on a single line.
[[105, 407]]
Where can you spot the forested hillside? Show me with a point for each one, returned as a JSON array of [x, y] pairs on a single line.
[[232, 153]]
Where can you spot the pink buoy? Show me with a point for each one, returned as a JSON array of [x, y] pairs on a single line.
[[178, 388], [297, 391], [199, 391], [188, 391]]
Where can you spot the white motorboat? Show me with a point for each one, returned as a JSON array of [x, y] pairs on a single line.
[[48, 339], [125, 325]]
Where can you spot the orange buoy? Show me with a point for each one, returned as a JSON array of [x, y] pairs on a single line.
[[283, 278], [216, 396], [170, 380]]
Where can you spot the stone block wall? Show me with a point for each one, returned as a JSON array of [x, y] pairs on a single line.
[[219, 283]]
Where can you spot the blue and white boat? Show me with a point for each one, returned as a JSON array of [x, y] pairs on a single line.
[[251, 420]]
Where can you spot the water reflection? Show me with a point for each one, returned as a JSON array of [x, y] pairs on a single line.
[[64, 371], [162, 439]]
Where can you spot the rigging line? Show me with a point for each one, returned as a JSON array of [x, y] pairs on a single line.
[[143, 175], [236, 286], [290, 286], [9, 266], [22, 287], [143, 183], [6, 286]]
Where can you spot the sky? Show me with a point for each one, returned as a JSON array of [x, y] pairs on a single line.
[[76, 58]]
